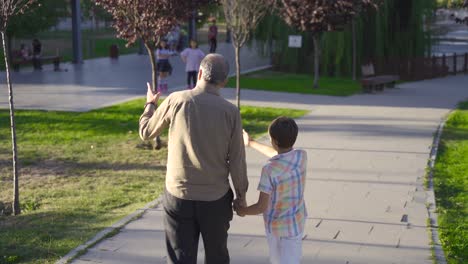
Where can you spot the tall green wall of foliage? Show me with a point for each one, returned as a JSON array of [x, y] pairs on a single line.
[[397, 29]]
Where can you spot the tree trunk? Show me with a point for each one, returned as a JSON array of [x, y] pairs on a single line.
[[154, 80], [237, 50], [354, 49], [154, 72], [16, 204], [315, 37]]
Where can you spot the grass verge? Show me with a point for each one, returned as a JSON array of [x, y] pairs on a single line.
[[451, 186], [81, 172], [296, 83]]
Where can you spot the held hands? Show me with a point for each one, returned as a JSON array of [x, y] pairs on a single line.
[[152, 97], [239, 206]]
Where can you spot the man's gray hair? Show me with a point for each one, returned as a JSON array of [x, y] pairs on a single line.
[[215, 68]]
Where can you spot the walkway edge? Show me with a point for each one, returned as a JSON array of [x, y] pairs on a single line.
[[177, 88], [437, 250], [80, 250]]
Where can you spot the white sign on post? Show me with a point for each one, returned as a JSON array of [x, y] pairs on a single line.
[[295, 41]]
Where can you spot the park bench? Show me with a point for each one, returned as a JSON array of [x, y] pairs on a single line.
[[371, 82], [17, 61]]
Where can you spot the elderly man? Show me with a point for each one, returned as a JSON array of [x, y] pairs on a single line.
[[205, 146]]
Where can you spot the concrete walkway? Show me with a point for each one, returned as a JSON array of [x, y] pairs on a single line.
[[365, 196]]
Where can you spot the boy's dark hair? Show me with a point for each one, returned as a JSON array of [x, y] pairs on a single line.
[[283, 130]]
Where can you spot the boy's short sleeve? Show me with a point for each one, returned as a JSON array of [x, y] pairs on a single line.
[[265, 185]]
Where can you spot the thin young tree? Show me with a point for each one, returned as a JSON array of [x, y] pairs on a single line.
[[9, 9], [319, 16], [242, 17], [354, 40]]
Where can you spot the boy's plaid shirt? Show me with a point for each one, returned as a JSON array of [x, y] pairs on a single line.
[[283, 178]]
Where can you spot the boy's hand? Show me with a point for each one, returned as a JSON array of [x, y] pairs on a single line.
[[240, 211], [247, 138]]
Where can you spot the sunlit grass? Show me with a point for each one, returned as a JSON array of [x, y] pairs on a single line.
[[451, 187], [296, 83]]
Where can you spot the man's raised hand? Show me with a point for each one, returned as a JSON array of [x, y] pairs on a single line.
[[151, 97]]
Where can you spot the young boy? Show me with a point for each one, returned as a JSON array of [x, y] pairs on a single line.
[[281, 187]]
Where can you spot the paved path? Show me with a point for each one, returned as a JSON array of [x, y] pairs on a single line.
[[102, 82], [367, 160]]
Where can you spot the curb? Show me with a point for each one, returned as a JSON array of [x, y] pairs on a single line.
[[106, 232], [175, 89], [438, 251], [252, 70]]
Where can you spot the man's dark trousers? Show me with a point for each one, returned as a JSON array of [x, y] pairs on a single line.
[[185, 220]]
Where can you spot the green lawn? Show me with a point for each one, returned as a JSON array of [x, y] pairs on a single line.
[[296, 83], [80, 172], [451, 186]]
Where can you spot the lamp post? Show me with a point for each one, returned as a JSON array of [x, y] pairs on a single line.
[[76, 31]]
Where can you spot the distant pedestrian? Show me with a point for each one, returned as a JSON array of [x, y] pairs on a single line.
[[228, 36], [281, 187], [192, 58], [212, 36], [36, 54], [163, 53]]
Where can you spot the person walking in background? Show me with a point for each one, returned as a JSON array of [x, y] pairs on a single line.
[[36, 54], [163, 53], [192, 58], [205, 147], [212, 36], [281, 198]]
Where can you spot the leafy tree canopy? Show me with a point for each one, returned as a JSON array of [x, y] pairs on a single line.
[[321, 16], [148, 19]]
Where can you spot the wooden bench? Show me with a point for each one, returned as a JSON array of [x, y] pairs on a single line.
[[17, 61], [371, 82]]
